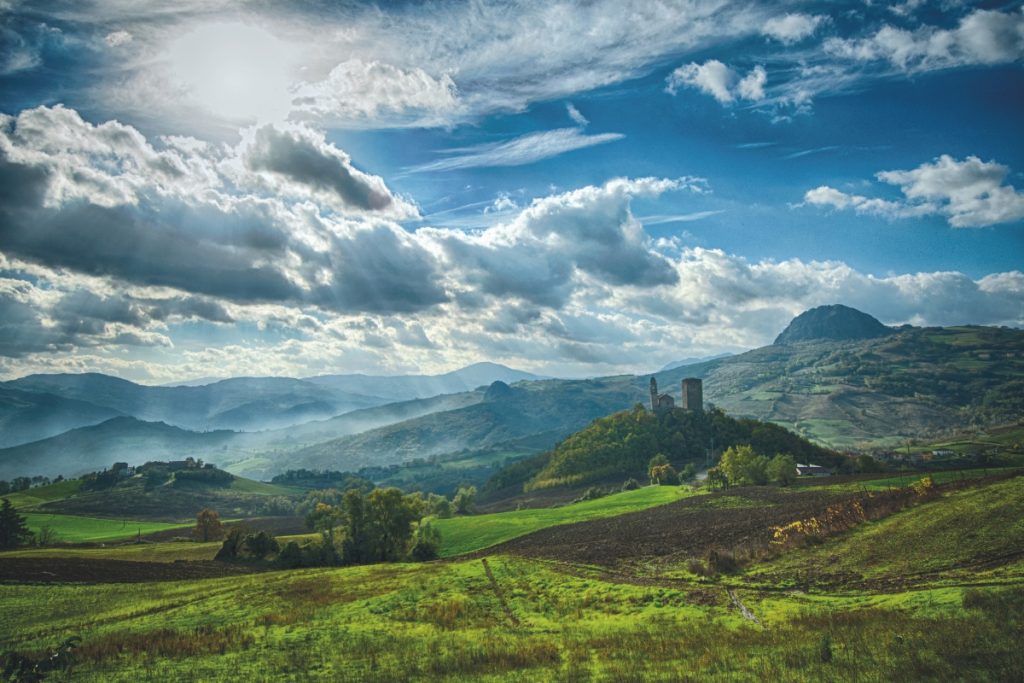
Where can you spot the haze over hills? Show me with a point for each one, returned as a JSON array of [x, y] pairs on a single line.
[[844, 393], [39, 406], [539, 412], [28, 416], [404, 387], [121, 439]]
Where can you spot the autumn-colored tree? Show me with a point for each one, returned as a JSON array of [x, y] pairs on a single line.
[[208, 526]]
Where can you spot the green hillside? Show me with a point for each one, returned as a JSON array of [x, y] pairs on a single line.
[[154, 493], [621, 445], [517, 617], [468, 533], [536, 412], [916, 382]]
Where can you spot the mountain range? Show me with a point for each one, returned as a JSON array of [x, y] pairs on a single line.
[[833, 376]]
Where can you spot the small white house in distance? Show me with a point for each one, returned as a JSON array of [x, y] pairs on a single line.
[[812, 471]]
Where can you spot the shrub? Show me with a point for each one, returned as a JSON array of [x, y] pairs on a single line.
[[426, 543], [630, 484], [592, 493], [721, 561]]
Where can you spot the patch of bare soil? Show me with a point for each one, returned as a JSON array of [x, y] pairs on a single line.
[[94, 570], [738, 517]]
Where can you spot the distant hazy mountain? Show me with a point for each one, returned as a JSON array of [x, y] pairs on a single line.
[[542, 412], [405, 387], [244, 403], [121, 439], [837, 323], [693, 361], [26, 416]]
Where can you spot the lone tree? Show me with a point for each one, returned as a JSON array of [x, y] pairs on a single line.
[[13, 530], [208, 526]]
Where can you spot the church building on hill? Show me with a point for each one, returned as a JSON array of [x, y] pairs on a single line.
[[692, 395]]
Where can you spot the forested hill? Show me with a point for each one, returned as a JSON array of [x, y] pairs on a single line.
[[621, 445]]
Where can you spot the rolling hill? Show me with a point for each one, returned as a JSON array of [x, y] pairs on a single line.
[[28, 416], [875, 392], [537, 413], [120, 439], [39, 406]]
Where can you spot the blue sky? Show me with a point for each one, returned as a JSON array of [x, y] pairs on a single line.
[[573, 188]]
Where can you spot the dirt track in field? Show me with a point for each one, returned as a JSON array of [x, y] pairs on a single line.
[[94, 570], [685, 528]]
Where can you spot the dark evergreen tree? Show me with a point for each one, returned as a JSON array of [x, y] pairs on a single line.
[[13, 530]]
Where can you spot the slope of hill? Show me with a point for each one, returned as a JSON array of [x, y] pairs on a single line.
[[40, 406], [120, 439], [872, 392], [542, 411], [620, 446], [837, 322], [27, 416]]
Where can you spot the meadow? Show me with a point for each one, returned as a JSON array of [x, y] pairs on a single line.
[[934, 592], [522, 621], [473, 532]]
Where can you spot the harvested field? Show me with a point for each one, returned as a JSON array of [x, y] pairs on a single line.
[[89, 570], [728, 519]]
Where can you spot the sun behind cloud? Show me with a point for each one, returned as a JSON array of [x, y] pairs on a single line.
[[235, 70]]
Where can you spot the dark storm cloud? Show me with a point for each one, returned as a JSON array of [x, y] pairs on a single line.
[[317, 166]]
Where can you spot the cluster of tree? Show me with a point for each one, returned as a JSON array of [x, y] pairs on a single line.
[[105, 479], [622, 444], [662, 473], [742, 466], [13, 529], [383, 525], [25, 483], [323, 479], [246, 544], [206, 476]]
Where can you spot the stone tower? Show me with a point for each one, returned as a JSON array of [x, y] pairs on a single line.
[[660, 403], [693, 394]]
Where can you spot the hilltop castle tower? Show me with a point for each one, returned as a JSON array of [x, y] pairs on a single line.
[[693, 394]]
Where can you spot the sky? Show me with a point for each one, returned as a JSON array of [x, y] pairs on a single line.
[[225, 188]]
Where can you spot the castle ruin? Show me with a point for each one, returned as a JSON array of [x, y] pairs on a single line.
[[692, 395]]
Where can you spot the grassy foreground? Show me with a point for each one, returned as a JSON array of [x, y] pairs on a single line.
[[466, 534], [451, 621]]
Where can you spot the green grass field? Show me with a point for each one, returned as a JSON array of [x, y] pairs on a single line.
[[450, 621], [466, 534], [948, 605], [75, 529], [135, 552], [31, 498]]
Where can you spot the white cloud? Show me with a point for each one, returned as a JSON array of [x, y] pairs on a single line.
[[751, 87], [358, 93], [792, 28], [574, 114], [117, 38], [718, 80], [982, 37], [969, 193], [525, 149]]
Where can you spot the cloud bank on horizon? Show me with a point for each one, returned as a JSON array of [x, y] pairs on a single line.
[[229, 189]]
